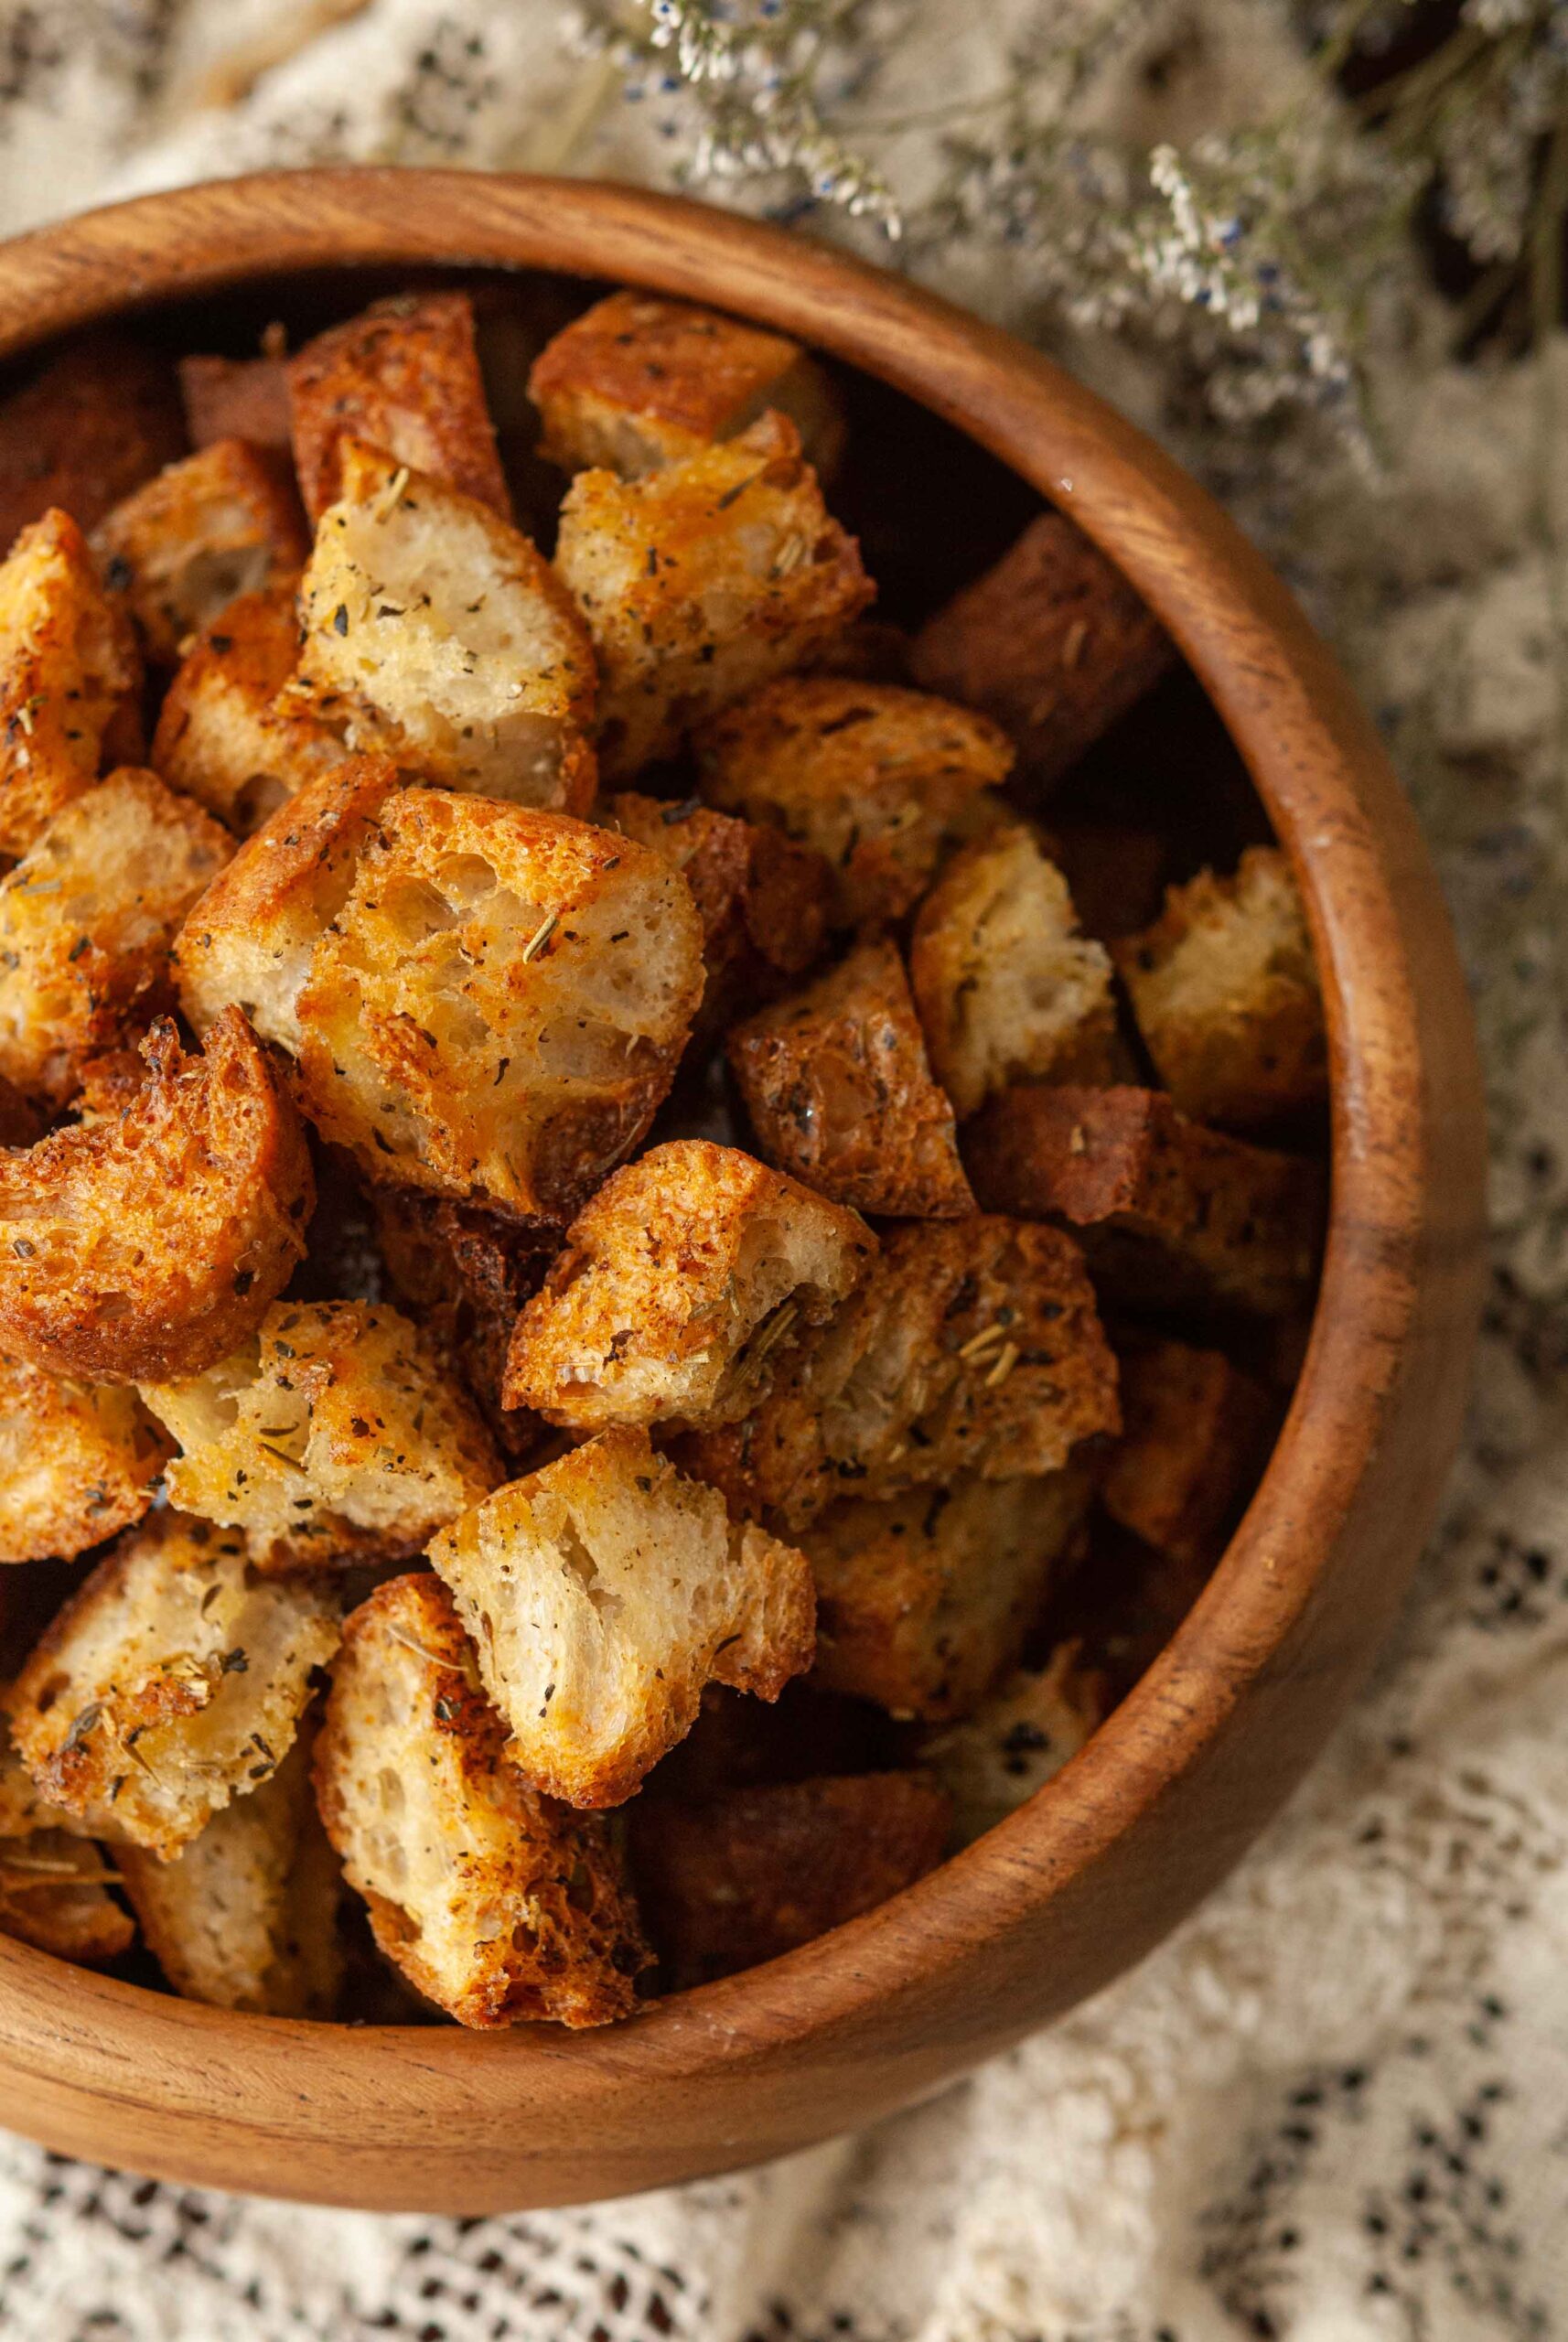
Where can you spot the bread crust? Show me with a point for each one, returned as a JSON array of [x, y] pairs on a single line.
[[98, 420], [222, 737], [236, 398], [70, 679], [54, 1895], [180, 548], [464, 1272], [79, 1462], [1194, 1433]]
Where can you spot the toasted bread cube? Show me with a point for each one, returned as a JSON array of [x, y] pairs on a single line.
[[881, 781], [222, 737], [70, 679], [150, 1245], [54, 1895], [1194, 1432], [1225, 990], [680, 1285], [602, 1593], [1052, 641], [636, 382], [1172, 1216], [496, 1903], [923, 1600], [87, 920], [994, 1761], [464, 1271], [701, 582], [79, 1462], [839, 1091], [95, 423], [1006, 987], [973, 1346], [245, 1916], [336, 1435], [173, 1681], [236, 398], [403, 376], [217, 525], [748, 1875], [23, 1808], [438, 635]]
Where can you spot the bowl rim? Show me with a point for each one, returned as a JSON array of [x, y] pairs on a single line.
[[1319, 766]]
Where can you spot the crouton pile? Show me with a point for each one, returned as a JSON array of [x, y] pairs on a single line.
[[629, 1276]]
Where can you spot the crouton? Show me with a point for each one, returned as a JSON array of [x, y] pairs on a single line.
[[70, 679], [221, 737], [680, 1287], [54, 1895], [438, 635], [79, 1462], [403, 376], [496, 1903], [838, 1090], [217, 525], [23, 1808], [1225, 990], [1194, 1434], [872, 649], [923, 1601], [881, 781], [747, 1875], [150, 1245], [1171, 1215], [236, 398], [464, 1271], [996, 1759], [636, 382], [602, 1593], [336, 1434], [972, 1347], [87, 920], [173, 1681], [701, 582], [95, 423], [245, 1916], [740, 1743], [1007, 988], [1052, 641]]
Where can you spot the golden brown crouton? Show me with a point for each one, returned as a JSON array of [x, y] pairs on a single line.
[[701, 582], [464, 1271], [839, 1093], [1006, 987], [680, 1287], [151, 1244], [1225, 990], [636, 382], [236, 398], [87, 919], [602, 1593], [496, 1903], [217, 525], [23, 1808], [881, 781], [922, 1601], [1172, 1214], [1194, 1434], [78, 1463], [1052, 641], [173, 1681], [54, 1894], [221, 737], [69, 679], [403, 376], [973, 1346], [338, 1434], [100, 419], [746, 1876], [1014, 1743], [437, 634]]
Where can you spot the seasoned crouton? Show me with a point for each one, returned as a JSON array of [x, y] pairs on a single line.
[[1171, 1215], [69, 679], [221, 737], [174, 1681], [150, 1245], [87, 919], [680, 1287], [747, 1875], [496, 1903], [95, 423], [922, 1601], [839, 1091], [1007, 988], [1052, 641], [217, 525], [403, 376], [1017, 1740], [1194, 1433], [1225, 990], [336, 1435], [701, 582], [636, 382], [438, 635], [972, 1347], [245, 1916], [602, 1593], [236, 398], [464, 1271], [54, 1894], [881, 781], [78, 1463], [23, 1808]]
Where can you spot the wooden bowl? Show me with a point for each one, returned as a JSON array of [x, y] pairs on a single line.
[[1073, 1888]]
